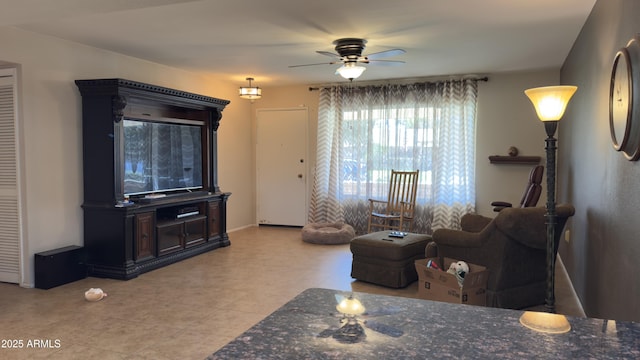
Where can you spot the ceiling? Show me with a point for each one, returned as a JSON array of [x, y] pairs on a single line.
[[241, 38]]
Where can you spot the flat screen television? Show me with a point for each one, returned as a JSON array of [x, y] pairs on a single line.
[[161, 157]]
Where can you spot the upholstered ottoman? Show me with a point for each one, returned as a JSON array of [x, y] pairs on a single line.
[[388, 261]]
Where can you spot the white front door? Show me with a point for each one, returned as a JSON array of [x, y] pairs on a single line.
[[281, 174]]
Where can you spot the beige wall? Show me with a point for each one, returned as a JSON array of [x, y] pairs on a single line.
[[507, 118], [50, 116]]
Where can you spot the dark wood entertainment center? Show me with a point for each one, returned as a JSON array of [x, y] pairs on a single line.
[[125, 236]]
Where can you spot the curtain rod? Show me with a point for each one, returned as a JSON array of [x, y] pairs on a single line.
[[484, 78]]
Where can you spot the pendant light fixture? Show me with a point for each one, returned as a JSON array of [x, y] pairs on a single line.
[[250, 92]]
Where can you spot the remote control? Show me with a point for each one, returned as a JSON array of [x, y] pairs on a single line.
[[397, 234]]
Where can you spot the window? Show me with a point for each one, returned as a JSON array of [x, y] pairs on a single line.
[[364, 132], [398, 141]]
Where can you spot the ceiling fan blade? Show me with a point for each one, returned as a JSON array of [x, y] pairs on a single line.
[[324, 63], [385, 62], [327, 53], [386, 53], [349, 53]]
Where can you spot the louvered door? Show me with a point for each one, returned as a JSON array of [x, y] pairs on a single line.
[[10, 222]]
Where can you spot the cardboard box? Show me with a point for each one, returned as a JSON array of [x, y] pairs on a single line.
[[439, 285]]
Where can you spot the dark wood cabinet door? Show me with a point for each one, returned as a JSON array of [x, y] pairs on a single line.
[[195, 230], [144, 236], [170, 237], [215, 223]]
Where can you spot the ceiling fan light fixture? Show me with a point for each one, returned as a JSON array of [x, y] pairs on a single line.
[[350, 70], [250, 92]]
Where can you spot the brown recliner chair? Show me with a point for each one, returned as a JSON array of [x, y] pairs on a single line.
[[512, 246], [531, 192]]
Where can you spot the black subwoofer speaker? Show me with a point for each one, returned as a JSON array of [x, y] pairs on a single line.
[[60, 266]]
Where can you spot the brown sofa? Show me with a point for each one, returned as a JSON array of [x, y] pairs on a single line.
[[512, 246]]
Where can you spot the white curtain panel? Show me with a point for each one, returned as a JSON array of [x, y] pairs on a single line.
[[366, 131]]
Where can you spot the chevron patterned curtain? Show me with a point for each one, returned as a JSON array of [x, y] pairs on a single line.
[[364, 132]]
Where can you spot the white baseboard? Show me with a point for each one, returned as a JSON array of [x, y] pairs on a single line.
[[571, 288], [242, 228]]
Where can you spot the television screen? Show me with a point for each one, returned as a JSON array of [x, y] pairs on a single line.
[[161, 157]]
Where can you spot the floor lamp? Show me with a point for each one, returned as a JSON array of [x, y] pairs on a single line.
[[550, 103]]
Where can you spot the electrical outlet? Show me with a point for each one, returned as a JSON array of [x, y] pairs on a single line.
[[567, 235]]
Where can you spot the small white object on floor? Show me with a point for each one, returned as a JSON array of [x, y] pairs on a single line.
[[94, 294]]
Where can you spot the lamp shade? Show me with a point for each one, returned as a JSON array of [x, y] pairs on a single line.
[[250, 92], [350, 70], [350, 306], [550, 101]]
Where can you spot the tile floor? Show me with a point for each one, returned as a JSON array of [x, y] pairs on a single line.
[[189, 309]]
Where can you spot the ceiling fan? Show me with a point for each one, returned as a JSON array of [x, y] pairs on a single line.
[[349, 54]]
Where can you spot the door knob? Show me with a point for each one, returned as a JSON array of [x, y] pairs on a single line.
[[299, 176]]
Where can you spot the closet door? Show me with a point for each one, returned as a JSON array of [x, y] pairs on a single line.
[[10, 220]]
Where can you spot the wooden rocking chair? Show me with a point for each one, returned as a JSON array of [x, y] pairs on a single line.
[[399, 208]]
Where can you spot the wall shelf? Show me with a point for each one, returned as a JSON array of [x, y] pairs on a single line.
[[522, 160]]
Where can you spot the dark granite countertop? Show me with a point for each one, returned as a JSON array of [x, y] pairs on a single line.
[[422, 329]]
